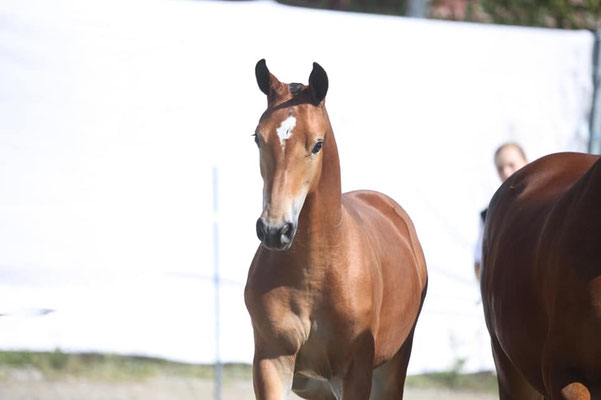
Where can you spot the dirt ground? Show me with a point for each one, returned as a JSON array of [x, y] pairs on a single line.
[[169, 388]]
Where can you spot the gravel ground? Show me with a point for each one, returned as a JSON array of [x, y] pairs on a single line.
[[169, 388]]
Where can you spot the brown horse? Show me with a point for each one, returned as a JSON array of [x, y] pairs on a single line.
[[335, 288], [541, 279]]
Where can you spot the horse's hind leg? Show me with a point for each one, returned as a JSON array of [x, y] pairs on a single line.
[[389, 378], [512, 385]]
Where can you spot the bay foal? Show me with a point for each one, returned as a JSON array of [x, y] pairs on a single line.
[[337, 284]]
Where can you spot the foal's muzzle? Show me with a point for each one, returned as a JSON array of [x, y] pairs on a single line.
[[276, 237]]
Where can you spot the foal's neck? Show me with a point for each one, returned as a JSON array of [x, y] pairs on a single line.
[[320, 219]]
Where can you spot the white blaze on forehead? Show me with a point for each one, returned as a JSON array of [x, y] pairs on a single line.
[[285, 130]]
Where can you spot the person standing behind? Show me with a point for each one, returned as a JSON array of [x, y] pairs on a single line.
[[509, 157]]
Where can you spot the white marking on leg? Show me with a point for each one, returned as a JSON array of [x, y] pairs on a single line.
[[287, 387], [285, 130]]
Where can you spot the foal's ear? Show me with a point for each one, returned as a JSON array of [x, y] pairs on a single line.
[[265, 79], [318, 82]]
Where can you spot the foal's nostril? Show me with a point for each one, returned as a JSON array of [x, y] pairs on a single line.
[[287, 232], [289, 229], [260, 229], [276, 238]]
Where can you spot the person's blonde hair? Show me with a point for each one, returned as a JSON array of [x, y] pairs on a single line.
[[515, 146]]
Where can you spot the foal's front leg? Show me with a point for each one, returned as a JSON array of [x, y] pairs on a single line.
[[272, 375], [356, 383]]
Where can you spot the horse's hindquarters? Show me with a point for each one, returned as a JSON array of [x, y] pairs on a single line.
[[398, 269], [536, 277]]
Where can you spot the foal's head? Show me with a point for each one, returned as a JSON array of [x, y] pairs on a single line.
[[290, 137]]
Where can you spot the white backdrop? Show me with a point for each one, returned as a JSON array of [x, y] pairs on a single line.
[[113, 113]]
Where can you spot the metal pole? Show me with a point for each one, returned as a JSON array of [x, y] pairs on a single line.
[[416, 8], [595, 123], [218, 366]]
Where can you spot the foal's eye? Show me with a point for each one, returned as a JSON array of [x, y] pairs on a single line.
[[256, 139], [317, 147]]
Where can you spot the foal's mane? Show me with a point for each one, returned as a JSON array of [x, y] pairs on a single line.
[[305, 96]]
